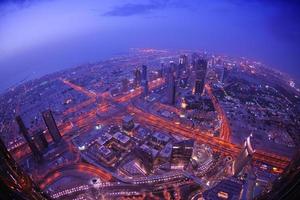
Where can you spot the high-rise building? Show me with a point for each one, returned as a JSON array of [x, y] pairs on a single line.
[[40, 140], [171, 89], [125, 84], [244, 157], [36, 153], [219, 70], [144, 73], [181, 154], [145, 86], [137, 78], [200, 70], [183, 62], [14, 182], [174, 69], [51, 125]]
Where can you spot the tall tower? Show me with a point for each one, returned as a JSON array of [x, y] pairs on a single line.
[[14, 182], [36, 153], [200, 69], [244, 157], [183, 62], [51, 125], [171, 89], [145, 87], [137, 77], [144, 73], [40, 140]]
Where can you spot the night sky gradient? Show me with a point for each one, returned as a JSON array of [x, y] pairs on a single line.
[[40, 37]]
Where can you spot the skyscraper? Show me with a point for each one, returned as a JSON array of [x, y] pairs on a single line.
[[144, 73], [36, 153], [14, 182], [137, 77], [125, 83], [183, 62], [244, 157], [145, 87], [51, 125], [181, 154], [40, 140], [171, 89], [200, 69]]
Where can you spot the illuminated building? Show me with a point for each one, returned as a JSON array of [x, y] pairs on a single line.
[[145, 86], [14, 182], [200, 69], [51, 125], [144, 160], [226, 189], [36, 153], [181, 154], [183, 64], [244, 157], [219, 69], [183, 82], [183, 60]]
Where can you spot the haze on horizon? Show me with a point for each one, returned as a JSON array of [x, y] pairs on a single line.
[[40, 37]]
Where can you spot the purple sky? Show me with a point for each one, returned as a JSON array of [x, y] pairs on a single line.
[[41, 36]]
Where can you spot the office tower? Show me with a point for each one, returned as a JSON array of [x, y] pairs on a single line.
[[36, 153], [40, 140], [219, 70], [144, 73], [174, 69], [183, 62], [137, 78], [194, 58], [144, 160], [51, 125], [162, 70], [200, 70], [181, 154], [171, 89], [14, 182], [244, 157], [145, 87], [183, 82], [125, 83]]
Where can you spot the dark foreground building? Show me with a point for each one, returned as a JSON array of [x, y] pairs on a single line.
[[14, 182]]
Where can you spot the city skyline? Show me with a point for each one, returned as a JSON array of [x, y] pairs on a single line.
[[89, 31]]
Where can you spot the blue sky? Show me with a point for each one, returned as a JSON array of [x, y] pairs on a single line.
[[41, 36]]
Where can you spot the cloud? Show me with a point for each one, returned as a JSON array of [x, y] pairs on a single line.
[[130, 9]]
